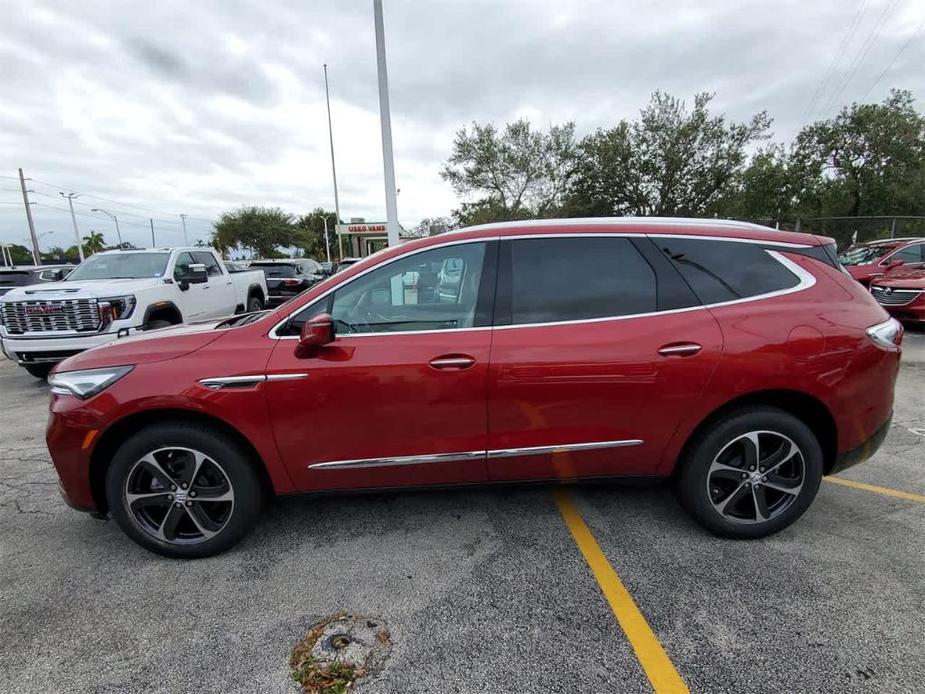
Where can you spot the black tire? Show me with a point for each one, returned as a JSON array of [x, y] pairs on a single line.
[[39, 370], [158, 323], [254, 303], [719, 486], [225, 468]]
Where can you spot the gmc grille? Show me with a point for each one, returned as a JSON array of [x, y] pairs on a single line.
[[895, 297], [55, 315]]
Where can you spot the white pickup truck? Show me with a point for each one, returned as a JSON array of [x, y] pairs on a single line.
[[117, 293]]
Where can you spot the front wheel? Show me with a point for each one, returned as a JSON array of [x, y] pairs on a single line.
[[752, 474], [182, 491], [254, 304]]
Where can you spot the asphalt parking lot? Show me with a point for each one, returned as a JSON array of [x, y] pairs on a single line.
[[482, 591]]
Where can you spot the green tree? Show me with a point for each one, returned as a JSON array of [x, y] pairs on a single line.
[[19, 254], [93, 242], [670, 162], [260, 229], [310, 229], [769, 189], [56, 254], [867, 160], [432, 226], [515, 173]]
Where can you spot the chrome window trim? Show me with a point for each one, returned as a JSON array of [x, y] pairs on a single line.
[[806, 280], [470, 455]]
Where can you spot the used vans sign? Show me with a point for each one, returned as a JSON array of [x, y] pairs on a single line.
[[375, 228]]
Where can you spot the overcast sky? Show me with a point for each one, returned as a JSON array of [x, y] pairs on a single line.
[[197, 107]]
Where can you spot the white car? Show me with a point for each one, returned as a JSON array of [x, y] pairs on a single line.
[[118, 293]]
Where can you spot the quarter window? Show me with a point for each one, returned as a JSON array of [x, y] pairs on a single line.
[[721, 271], [580, 278]]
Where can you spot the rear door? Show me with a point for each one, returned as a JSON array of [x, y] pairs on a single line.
[[594, 361]]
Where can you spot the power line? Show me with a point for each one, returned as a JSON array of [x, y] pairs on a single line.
[[893, 61], [846, 40], [865, 49]]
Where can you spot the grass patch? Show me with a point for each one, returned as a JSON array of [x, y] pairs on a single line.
[[317, 676]]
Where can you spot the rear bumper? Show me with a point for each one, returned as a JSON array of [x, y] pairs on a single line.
[[862, 452]]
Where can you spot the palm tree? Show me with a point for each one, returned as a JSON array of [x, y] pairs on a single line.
[[94, 242]]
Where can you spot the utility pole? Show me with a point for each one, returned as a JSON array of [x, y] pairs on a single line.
[[153, 240], [114, 219], [327, 241], [36, 255], [327, 96], [388, 164], [185, 239], [70, 201]]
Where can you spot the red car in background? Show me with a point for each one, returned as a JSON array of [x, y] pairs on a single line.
[[868, 261], [902, 294], [737, 361]]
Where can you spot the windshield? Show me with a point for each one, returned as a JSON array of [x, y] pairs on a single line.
[[116, 266], [862, 255], [275, 269]]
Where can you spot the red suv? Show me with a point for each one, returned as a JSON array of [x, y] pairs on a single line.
[[902, 294], [737, 360], [869, 261]]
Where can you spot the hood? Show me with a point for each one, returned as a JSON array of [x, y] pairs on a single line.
[[81, 289], [910, 279], [863, 271], [145, 348]]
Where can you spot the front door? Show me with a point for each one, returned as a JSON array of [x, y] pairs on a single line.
[[399, 397], [589, 376]]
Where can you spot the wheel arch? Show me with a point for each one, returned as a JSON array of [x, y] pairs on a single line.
[[110, 440], [258, 290], [166, 310], [807, 408]]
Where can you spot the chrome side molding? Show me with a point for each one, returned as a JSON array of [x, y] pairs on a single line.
[[222, 382], [470, 455]]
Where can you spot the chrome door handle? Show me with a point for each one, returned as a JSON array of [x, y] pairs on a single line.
[[455, 362], [680, 349]]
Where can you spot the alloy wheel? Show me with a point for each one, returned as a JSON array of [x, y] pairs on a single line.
[[756, 477], [179, 495]]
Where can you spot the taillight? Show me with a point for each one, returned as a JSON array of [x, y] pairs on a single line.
[[887, 335], [290, 282]]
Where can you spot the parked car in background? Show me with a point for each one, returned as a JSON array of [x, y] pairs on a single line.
[[287, 278], [344, 263], [117, 293], [236, 266], [327, 268], [868, 261], [736, 360], [24, 275], [902, 294]]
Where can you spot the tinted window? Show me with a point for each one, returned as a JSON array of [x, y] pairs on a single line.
[[727, 270], [276, 269], [566, 279], [433, 290], [181, 267], [909, 254], [207, 259]]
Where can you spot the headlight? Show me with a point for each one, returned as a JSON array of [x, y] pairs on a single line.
[[86, 384], [887, 335], [116, 308]]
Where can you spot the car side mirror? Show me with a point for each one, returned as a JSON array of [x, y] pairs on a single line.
[[316, 332], [197, 274]]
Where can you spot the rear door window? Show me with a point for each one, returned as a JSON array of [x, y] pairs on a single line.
[[552, 280], [207, 259], [721, 271]]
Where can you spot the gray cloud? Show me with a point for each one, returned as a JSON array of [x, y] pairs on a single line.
[[196, 107]]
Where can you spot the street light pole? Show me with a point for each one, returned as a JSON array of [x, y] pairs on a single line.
[[327, 96], [327, 241], [388, 163], [153, 240], [36, 255], [114, 219], [70, 201], [183, 221]]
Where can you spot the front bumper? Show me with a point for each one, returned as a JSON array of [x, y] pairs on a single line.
[[51, 350], [861, 453]]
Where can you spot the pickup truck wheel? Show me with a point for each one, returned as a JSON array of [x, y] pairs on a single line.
[[182, 491], [157, 323], [254, 304], [39, 370]]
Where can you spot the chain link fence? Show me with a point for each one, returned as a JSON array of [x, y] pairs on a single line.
[[849, 230]]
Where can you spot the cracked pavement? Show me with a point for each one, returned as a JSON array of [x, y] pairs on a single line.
[[483, 591]]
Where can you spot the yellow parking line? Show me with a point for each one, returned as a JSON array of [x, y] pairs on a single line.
[[649, 651], [908, 496]]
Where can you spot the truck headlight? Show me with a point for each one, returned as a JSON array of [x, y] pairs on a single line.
[[115, 308], [85, 384]]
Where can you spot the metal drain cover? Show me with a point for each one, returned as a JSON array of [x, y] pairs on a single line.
[[339, 650]]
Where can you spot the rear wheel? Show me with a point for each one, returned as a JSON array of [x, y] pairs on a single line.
[[39, 370], [752, 474], [182, 491], [254, 304]]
